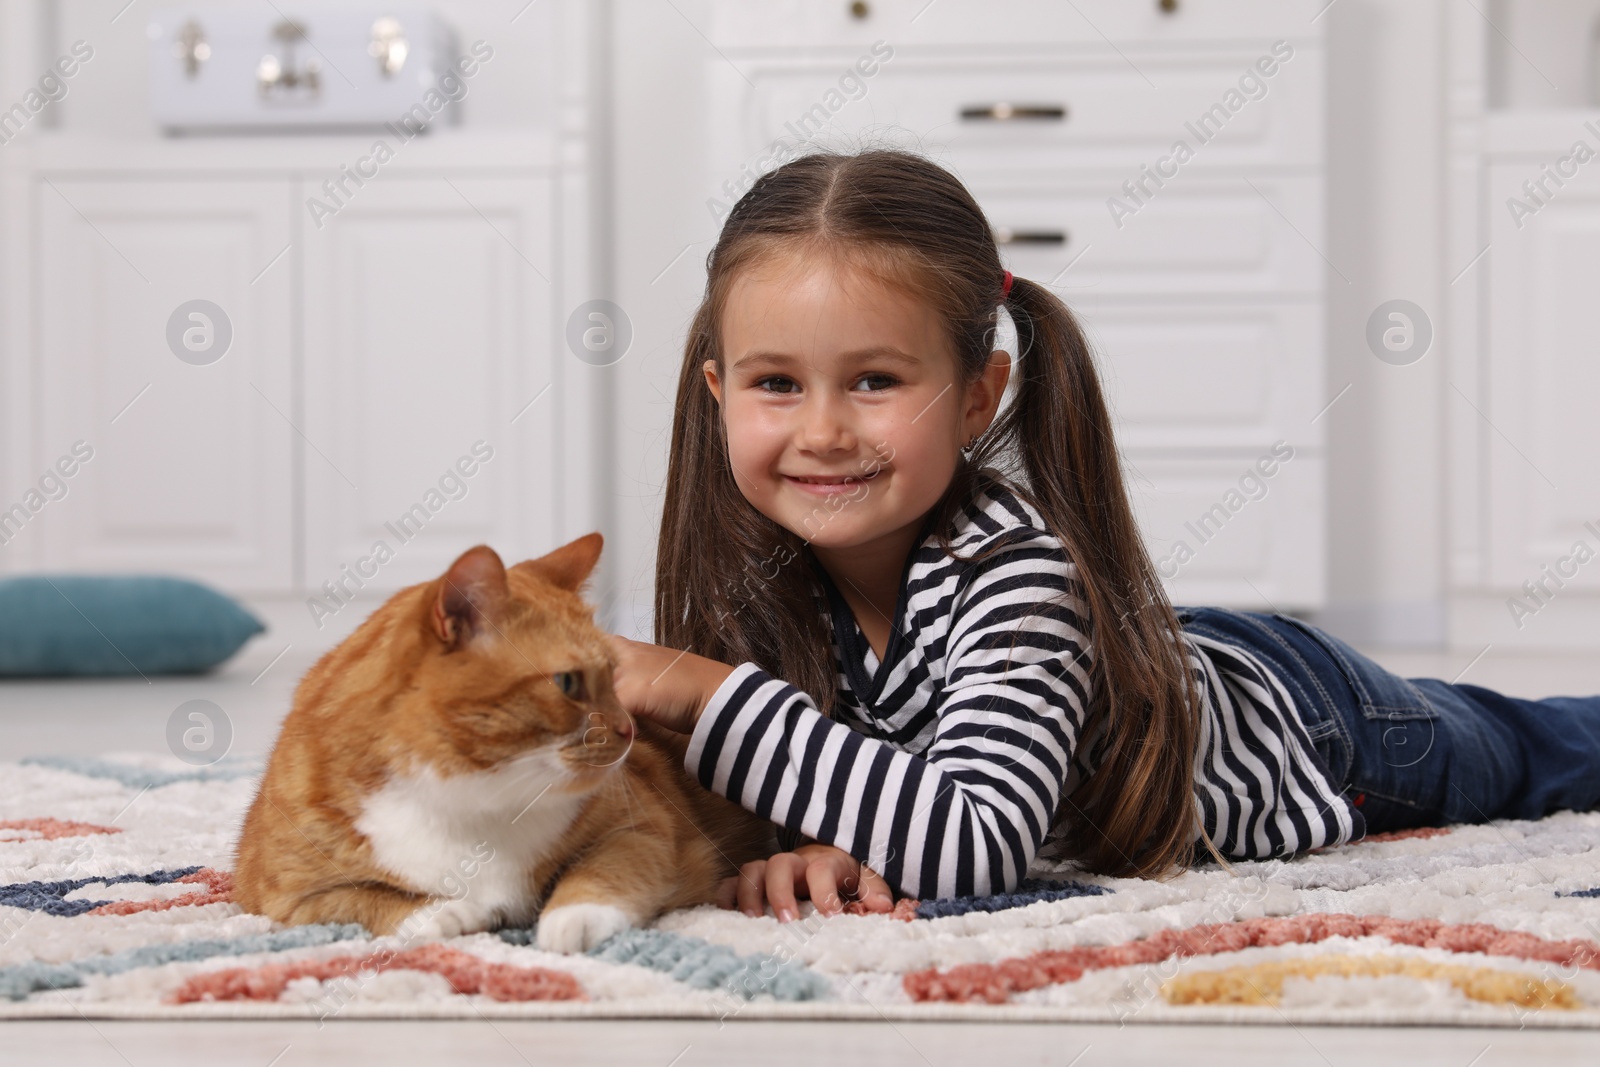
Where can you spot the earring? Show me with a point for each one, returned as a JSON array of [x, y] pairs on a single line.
[[966, 449]]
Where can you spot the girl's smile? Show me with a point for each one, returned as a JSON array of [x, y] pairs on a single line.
[[825, 485]]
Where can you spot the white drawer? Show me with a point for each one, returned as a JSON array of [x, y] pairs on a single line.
[[1222, 532], [1184, 376], [735, 24], [1066, 111], [1199, 234]]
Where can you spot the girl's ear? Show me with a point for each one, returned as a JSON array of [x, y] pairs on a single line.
[[709, 369], [983, 397]]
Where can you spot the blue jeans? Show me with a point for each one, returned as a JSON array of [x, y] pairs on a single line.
[[1419, 751]]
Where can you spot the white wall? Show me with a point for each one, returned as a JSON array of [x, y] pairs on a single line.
[[663, 232], [1386, 478]]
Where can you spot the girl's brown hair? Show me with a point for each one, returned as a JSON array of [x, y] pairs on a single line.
[[733, 585]]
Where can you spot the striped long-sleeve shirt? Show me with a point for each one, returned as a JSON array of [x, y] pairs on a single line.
[[947, 760]]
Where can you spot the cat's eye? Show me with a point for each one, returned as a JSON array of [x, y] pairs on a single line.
[[569, 682]]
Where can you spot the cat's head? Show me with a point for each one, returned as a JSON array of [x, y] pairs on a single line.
[[500, 664]]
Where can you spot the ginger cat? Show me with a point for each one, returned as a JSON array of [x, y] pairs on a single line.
[[461, 762]]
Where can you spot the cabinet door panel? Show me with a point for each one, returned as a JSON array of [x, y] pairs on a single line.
[[1543, 379], [427, 331], [1190, 375], [191, 467], [1242, 531]]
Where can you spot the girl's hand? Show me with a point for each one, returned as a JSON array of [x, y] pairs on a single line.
[[664, 684], [819, 872]]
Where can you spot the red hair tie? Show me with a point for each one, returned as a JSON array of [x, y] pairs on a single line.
[[1005, 287]]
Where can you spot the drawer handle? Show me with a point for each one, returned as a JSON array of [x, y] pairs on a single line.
[[1006, 112], [388, 46], [191, 47], [1005, 235]]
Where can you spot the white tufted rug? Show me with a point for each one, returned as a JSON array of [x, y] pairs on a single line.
[[115, 902]]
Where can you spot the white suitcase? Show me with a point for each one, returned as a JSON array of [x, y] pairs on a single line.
[[221, 70]]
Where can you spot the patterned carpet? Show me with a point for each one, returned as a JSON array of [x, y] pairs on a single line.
[[115, 901]]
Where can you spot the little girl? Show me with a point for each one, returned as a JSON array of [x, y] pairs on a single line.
[[923, 634]]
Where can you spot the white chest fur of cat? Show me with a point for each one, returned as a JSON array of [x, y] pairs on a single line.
[[473, 840]]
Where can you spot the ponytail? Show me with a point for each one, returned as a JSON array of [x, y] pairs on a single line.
[[1136, 814]]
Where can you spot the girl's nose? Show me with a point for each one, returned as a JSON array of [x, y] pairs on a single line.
[[824, 429]]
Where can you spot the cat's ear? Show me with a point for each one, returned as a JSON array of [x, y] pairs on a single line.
[[472, 596], [568, 566]]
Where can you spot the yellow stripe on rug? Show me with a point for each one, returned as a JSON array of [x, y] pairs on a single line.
[[1262, 983]]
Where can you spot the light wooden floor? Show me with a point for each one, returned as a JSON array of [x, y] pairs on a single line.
[[254, 689], [700, 1044]]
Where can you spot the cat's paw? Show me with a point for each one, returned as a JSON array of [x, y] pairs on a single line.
[[579, 927], [439, 919]]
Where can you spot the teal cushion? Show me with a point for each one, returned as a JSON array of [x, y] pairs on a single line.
[[81, 624]]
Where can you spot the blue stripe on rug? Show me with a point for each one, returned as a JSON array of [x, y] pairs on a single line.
[[1595, 892], [700, 964], [48, 897], [141, 777], [1031, 891], [17, 983]]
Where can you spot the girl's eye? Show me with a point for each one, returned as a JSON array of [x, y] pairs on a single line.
[[569, 682], [761, 383]]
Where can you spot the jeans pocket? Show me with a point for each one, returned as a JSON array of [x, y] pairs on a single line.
[[1381, 693], [1398, 753]]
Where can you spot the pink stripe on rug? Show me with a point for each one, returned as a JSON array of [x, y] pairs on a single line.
[[1404, 835], [50, 829], [995, 982], [218, 889], [1387, 835], [465, 972]]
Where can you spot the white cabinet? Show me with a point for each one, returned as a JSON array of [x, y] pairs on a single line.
[[1522, 210], [191, 468], [428, 323], [423, 311], [397, 353]]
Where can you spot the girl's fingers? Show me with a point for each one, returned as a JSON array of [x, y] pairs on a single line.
[[822, 886], [728, 892], [873, 891], [784, 871], [751, 888]]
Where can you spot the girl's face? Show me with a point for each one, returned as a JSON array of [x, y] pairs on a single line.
[[844, 415]]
